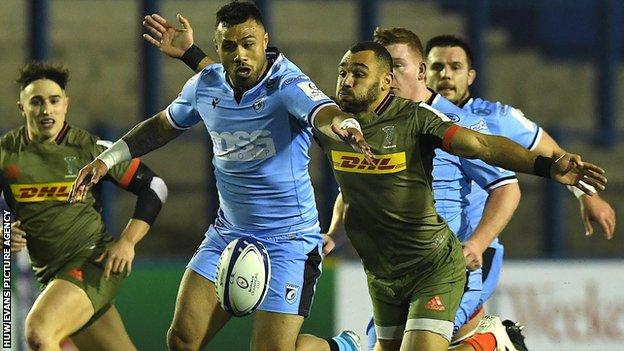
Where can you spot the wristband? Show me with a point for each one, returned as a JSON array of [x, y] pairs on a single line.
[[542, 166], [350, 123], [193, 56], [117, 153]]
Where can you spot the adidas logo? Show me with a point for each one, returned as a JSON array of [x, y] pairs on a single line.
[[435, 304]]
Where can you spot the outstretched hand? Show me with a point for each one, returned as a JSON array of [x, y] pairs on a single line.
[[570, 170], [356, 139], [88, 176], [168, 39]]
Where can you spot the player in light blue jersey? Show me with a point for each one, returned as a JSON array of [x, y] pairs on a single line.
[[451, 74], [260, 111], [452, 177]]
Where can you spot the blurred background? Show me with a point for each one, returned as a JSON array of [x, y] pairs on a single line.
[[559, 61]]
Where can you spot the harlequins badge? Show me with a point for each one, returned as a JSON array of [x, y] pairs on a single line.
[[72, 166], [389, 130]]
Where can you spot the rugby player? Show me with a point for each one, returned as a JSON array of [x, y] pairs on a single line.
[[452, 180], [451, 74], [79, 265], [259, 109], [390, 217]]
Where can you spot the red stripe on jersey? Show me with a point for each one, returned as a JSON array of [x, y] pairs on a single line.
[[127, 177], [448, 136]]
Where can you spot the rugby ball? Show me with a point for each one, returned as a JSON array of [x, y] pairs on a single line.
[[243, 274]]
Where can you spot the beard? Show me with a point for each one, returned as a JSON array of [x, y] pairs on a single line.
[[361, 104]]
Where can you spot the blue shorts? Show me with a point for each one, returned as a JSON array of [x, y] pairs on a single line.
[[295, 265], [480, 286]]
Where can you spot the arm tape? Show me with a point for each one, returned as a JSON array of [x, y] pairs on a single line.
[[117, 153]]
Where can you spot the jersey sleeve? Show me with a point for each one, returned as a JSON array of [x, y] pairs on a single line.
[[433, 122], [487, 176], [122, 173], [302, 98], [182, 112], [512, 123]]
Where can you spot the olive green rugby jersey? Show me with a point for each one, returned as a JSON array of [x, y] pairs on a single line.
[[390, 216], [36, 179]]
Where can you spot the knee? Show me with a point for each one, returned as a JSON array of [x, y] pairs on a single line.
[[180, 341], [36, 336]]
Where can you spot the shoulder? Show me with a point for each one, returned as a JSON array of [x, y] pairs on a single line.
[[425, 109], [12, 139], [486, 108], [81, 137]]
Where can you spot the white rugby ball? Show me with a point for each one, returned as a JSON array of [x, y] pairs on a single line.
[[243, 274]]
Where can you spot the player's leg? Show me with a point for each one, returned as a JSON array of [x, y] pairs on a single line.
[[469, 312], [106, 333], [198, 316], [60, 310], [389, 318], [435, 300]]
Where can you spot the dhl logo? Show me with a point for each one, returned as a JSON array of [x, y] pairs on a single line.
[[356, 163], [41, 192]]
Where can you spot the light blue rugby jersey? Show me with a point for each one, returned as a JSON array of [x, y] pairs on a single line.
[[454, 177], [260, 145], [506, 121]]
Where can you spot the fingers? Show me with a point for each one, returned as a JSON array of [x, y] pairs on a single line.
[[594, 179], [18, 242], [156, 22], [151, 40], [156, 34], [108, 267], [593, 167], [99, 259], [160, 20], [185, 23]]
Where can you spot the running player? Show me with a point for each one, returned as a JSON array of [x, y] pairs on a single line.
[[389, 212], [78, 264], [451, 74], [452, 177], [259, 109]]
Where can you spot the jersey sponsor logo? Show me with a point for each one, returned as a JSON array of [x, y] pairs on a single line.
[[356, 163], [76, 273], [453, 117], [389, 130], [312, 91], [291, 293], [41, 192], [294, 79], [12, 171], [482, 111], [435, 304], [243, 146]]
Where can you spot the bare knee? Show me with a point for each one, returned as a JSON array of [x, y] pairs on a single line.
[[178, 340], [38, 337]]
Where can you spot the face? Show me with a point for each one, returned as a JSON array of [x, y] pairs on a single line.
[[361, 82], [241, 49], [449, 73], [43, 104], [409, 71]]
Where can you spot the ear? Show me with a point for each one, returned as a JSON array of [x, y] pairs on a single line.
[[422, 71], [20, 107], [472, 75], [387, 81], [265, 41]]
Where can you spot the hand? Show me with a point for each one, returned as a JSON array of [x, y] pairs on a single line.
[[328, 244], [473, 255], [118, 257], [570, 170], [356, 139], [170, 40], [88, 176], [18, 237], [595, 209]]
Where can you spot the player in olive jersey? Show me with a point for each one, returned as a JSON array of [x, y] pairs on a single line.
[[78, 264], [390, 216]]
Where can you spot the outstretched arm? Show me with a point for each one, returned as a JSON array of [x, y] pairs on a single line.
[[175, 42], [336, 226], [338, 125], [568, 169], [144, 137]]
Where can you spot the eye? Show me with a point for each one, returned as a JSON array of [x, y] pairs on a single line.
[[456, 66], [359, 74], [342, 73], [436, 67], [35, 102], [55, 100], [248, 45]]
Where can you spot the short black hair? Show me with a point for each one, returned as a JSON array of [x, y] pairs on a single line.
[[42, 70], [381, 54], [449, 41], [237, 12]]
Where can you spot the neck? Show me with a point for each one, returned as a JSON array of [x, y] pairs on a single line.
[[373, 107]]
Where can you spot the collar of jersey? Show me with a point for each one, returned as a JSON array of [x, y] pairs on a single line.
[[59, 137]]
